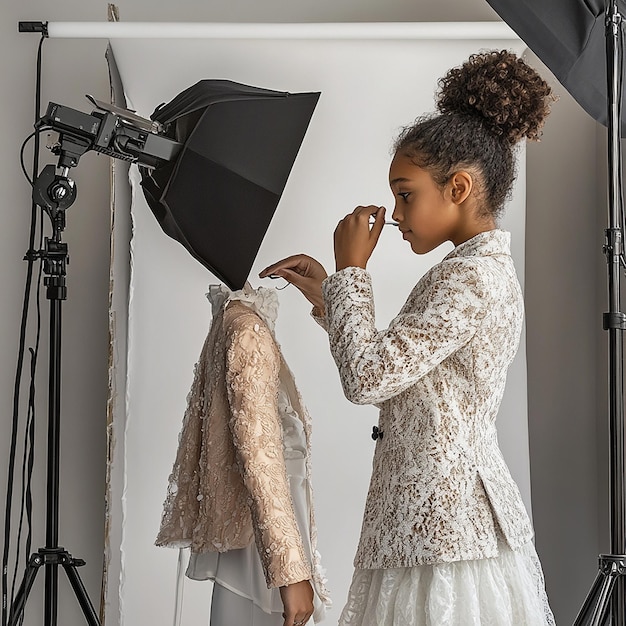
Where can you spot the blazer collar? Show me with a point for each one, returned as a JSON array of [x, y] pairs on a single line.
[[487, 243]]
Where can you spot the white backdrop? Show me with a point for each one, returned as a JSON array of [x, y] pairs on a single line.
[[370, 88]]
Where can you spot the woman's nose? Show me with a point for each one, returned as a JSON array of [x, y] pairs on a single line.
[[396, 216]]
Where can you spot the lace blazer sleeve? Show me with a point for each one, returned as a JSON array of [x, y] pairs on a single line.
[[376, 365], [252, 377], [320, 318]]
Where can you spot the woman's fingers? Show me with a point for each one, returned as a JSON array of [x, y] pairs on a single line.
[[377, 226], [293, 277], [290, 263], [356, 238], [298, 621], [301, 264], [304, 272]]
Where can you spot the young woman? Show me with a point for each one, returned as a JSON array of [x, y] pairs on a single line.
[[445, 537]]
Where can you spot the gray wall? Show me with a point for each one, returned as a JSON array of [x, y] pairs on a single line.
[[565, 297], [565, 289]]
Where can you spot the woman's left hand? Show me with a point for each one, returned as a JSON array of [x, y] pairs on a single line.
[[354, 239]]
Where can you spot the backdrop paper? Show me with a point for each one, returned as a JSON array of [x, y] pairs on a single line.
[[370, 89]]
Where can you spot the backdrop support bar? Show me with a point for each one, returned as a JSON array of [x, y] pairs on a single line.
[[193, 30]]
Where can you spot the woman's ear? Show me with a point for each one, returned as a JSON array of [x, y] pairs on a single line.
[[461, 184]]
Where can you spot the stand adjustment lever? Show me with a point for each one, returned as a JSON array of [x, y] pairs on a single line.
[[615, 321]]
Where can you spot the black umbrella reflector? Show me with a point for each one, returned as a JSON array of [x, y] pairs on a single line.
[[219, 196], [569, 36]]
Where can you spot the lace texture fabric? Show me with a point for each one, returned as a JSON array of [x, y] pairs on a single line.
[[229, 485], [504, 591], [240, 571], [440, 490]]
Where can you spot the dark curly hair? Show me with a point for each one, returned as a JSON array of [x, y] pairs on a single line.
[[486, 106]]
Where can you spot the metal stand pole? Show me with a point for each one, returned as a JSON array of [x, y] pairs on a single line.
[[55, 259], [607, 593]]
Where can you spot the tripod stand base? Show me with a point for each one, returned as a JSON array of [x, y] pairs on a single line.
[[52, 558], [596, 607]]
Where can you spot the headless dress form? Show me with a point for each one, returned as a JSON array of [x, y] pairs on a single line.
[[241, 596]]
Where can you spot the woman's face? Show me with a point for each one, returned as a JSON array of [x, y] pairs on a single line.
[[425, 212]]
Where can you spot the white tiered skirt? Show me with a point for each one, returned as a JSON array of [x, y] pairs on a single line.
[[507, 590]]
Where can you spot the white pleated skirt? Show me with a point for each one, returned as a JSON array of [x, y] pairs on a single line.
[[507, 590]]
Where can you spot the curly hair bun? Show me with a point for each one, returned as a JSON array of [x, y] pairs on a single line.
[[497, 86]]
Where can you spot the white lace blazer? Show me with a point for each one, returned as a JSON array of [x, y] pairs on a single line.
[[440, 489]]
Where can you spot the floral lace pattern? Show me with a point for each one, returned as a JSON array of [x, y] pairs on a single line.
[[229, 484], [440, 490]]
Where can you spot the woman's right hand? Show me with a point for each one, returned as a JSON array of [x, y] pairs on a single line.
[[298, 603], [305, 273]]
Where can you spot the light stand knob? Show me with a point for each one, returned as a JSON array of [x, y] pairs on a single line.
[[52, 191]]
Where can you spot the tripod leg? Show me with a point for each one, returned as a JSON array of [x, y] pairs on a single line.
[[595, 608], [17, 608], [81, 594], [618, 610], [51, 595]]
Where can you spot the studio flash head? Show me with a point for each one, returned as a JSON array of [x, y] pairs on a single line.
[[110, 130]]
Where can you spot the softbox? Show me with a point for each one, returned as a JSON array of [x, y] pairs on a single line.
[[218, 196], [569, 37]]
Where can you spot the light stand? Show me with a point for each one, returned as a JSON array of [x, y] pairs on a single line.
[[608, 589], [118, 133], [54, 194]]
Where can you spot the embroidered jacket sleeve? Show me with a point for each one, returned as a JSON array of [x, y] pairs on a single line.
[[448, 306], [252, 378]]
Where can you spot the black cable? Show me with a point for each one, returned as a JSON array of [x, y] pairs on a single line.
[[24, 144], [618, 104], [28, 459], [29, 440], [31, 258], [26, 175], [620, 89]]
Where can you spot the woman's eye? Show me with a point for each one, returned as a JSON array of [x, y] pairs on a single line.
[[404, 195]]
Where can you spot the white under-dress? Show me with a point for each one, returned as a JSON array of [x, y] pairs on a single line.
[[507, 590], [240, 587]]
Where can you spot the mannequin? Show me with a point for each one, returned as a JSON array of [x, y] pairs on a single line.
[[239, 494]]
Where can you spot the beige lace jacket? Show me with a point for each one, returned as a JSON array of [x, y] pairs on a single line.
[[440, 489], [229, 484]]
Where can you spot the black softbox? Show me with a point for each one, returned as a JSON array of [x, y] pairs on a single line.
[[218, 197]]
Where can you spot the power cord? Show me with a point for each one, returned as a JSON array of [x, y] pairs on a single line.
[[29, 436]]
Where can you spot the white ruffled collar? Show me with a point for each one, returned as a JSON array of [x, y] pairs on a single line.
[[263, 301]]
